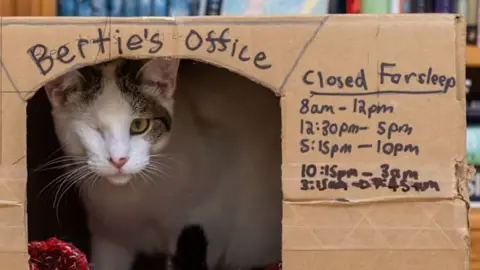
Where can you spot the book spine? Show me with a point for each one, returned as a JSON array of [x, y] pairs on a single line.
[[395, 6], [202, 8], [422, 6], [179, 8], [194, 6], [462, 8], [472, 23], [116, 8], [214, 7], [472, 9], [444, 6], [405, 6], [309, 7], [67, 7], [337, 7], [130, 8], [92, 8], [353, 6], [160, 8], [144, 7], [375, 6]]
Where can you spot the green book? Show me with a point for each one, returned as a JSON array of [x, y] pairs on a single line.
[[473, 145], [375, 6]]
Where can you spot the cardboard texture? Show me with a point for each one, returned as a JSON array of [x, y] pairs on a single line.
[[389, 140]]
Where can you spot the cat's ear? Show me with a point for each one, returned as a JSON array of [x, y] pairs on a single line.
[[161, 73], [56, 89]]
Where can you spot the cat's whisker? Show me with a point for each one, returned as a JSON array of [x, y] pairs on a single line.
[[146, 176], [57, 180], [80, 177], [143, 176], [66, 179], [169, 158], [133, 186], [160, 164], [89, 180], [69, 181], [75, 179], [95, 181], [62, 159], [63, 166], [158, 171]]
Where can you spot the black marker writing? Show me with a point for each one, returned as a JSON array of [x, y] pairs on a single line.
[[45, 58], [394, 148], [389, 129], [213, 42], [318, 78], [387, 73], [331, 177], [361, 107], [324, 147], [306, 107]]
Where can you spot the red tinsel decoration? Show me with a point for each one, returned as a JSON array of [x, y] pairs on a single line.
[[275, 267], [54, 254]]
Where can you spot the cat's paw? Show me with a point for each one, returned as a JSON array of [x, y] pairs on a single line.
[[191, 253], [109, 256]]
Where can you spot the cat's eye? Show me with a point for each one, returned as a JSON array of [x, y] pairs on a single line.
[[139, 126]]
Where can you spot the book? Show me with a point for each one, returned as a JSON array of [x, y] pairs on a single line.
[[129, 8], [473, 145], [202, 8], [337, 7], [468, 9], [462, 8], [179, 8], [445, 6], [144, 8], [422, 6], [472, 10], [274, 7], [115, 8], [67, 7], [91, 8], [472, 22], [399, 6], [375, 6], [353, 6], [405, 6], [395, 6], [160, 7], [214, 7]]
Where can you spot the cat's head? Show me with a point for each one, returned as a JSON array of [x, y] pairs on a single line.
[[115, 115]]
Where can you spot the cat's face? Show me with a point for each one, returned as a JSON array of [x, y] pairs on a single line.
[[114, 116]]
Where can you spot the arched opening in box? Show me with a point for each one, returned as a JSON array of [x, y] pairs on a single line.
[[236, 127]]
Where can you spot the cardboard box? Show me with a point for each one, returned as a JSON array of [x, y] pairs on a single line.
[[365, 99]]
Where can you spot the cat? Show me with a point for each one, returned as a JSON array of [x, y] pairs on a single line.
[[154, 145], [191, 250]]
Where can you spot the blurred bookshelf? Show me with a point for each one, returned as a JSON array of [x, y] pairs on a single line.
[[472, 56], [28, 7]]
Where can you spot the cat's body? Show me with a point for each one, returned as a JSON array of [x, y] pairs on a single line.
[[219, 167]]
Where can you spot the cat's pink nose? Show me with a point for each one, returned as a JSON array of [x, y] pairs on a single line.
[[118, 163]]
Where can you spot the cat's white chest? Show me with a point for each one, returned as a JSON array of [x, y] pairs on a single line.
[[137, 216]]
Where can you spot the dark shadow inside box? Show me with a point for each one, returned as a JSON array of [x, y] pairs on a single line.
[[66, 219]]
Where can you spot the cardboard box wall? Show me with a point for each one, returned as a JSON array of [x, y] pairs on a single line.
[[358, 228]]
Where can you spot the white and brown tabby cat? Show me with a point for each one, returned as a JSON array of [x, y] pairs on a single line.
[[156, 147]]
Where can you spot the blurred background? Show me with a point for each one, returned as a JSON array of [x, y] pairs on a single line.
[[468, 8]]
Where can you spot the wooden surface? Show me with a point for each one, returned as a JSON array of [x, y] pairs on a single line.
[[474, 239], [28, 7]]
